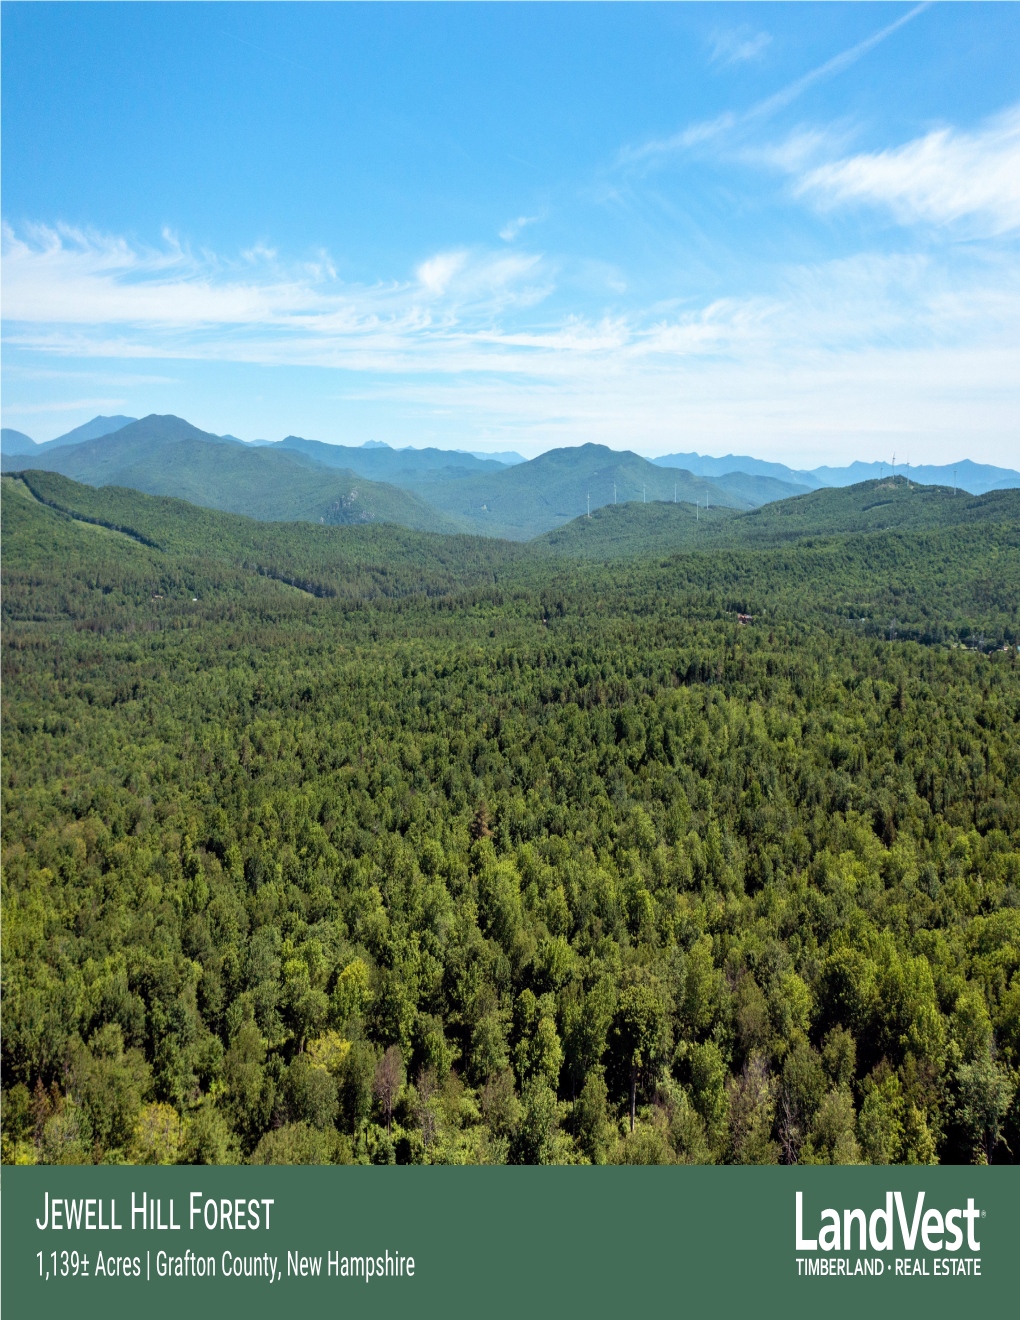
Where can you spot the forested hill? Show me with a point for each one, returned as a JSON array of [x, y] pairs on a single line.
[[636, 529], [168, 456], [355, 562], [529, 859], [382, 463], [878, 506], [299, 479], [530, 498], [933, 583]]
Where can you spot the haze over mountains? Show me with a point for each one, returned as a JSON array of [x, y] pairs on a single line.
[[524, 501], [977, 478], [973, 477], [169, 456], [704, 466], [17, 442], [385, 464], [431, 489], [304, 480]]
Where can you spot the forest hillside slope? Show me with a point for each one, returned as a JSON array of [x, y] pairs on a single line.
[[559, 863], [168, 456]]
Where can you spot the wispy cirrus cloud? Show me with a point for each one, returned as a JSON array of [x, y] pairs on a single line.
[[71, 292], [436, 273], [738, 45], [513, 227], [941, 178], [16, 371], [463, 277], [901, 343], [63, 274], [731, 123], [259, 252], [67, 405]]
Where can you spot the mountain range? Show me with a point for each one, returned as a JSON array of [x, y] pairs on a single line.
[[382, 463], [508, 458], [17, 442], [888, 505], [169, 456], [976, 478], [310, 556], [524, 501], [435, 489], [305, 480]]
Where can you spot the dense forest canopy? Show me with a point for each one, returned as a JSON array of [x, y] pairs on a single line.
[[468, 852]]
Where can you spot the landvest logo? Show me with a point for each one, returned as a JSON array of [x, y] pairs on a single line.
[[931, 1242]]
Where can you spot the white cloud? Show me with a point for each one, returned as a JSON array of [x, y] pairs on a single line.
[[694, 135], [513, 227], [61, 274], [836, 65], [65, 291], [800, 150], [18, 372], [258, 252], [944, 177], [738, 45], [731, 123], [839, 354], [72, 405], [436, 273]]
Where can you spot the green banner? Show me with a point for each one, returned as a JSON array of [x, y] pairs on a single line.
[[859, 1242]]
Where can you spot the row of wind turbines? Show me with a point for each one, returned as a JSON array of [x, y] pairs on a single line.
[[644, 500], [882, 473]]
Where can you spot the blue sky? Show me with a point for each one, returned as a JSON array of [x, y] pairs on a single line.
[[789, 231]]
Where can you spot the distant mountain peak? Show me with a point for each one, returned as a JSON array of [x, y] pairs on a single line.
[[16, 442], [375, 444], [93, 430], [509, 458], [973, 477]]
